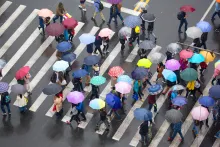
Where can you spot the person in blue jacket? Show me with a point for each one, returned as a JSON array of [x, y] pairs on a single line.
[[113, 14], [89, 48], [41, 25], [98, 9], [80, 108], [217, 11]]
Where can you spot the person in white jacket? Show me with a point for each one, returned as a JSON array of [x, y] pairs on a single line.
[[22, 103]]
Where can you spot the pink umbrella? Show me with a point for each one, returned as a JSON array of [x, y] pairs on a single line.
[[55, 29], [186, 53], [172, 65], [114, 1], [70, 23], [45, 13], [200, 113], [123, 87], [75, 97], [106, 32]]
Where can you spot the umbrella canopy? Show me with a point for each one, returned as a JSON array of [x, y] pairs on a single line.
[[139, 73], [55, 29], [200, 113], [70, 23], [194, 32], [115, 71], [79, 73], [98, 80], [117, 104], [124, 78], [186, 53], [147, 44], [143, 114], [172, 64], [204, 26], [155, 89], [218, 67], [64, 46], [87, 38], [18, 89], [187, 8], [148, 17], [124, 32], [69, 57], [60, 65], [169, 75], [189, 74], [75, 97], [178, 87], [209, 57], [132, 21], [206, 101], [214, 91], [174, 48], [114, 1], [110, 99], [3, 87], [91, 60], [173, 116], [217, 63], [179, 101], [97, 104], [146, 63], [52, 89], [22, 72], [105, 32], [2, 63], [123, 87], [45, 13], [196, 58], [156, 57]]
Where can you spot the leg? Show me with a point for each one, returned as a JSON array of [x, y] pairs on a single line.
[[94, 15], [3, 109], [116, 22], [148, 82], [174, 134], [119, 14], [150, 107], [107, 124], [180, 26], [155, 107], [110, 19], [122, 47], [187, 93], [83, 116], [102, 15], [186, 24], [98, 124], [55, 18], [61, 19], [181, 135], [8, 108], [138, 40], [213, 15], [116, 113]]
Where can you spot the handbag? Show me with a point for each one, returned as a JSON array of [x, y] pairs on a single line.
[[54, 108]]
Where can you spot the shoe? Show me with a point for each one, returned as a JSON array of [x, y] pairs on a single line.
[[107, 130], [68, 122], [213, 19], [108, 24], [80, 6], [84, 10], [92, 18], [39, 28], [181, 140], [169, 139], [107, 51], [103, 20], [142, 100], [95, 53], [141, 141], [9, 113], [96, 129], [4, 114], [180, 32], [83, 120]]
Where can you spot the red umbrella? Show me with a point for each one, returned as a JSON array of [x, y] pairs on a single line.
[[55, 29], [186, 53], [70, 23], [22, 72], [115, 71], [187, 8]]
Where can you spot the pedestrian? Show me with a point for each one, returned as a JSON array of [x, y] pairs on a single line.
[[176, 129], [22, 103], [82, 5], [80, 108], [150, 32], [66, 34], [61, 80], [87, 80], [194, 66], [170, 96], [160, 68], [74, 115], [215, 75], [27, 83], [137, 89], [182, 17], [77, 82], [177, 72], [98, 43], [60, 11], [119, 5], [5, 101], [98, 9], [152, 102], [169, 84], [203, 66], [135, 32], [145, 82], [196, 127], [105, 44], [122, 41], [113, 81], [217, 11], [143, 11], [58, 105], [89, 48], [183, 64], [95, 92], [143, 131], [103, 119], [71, 34], [41, 25], [113, 14], [207, 120], [142, 53], [96, 69], [204, 38], [196, 43], [190, 88]]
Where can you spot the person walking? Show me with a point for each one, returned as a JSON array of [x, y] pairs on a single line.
[[217, 11], [191, 89], [143, 11], [98, 9], [122, 41], [143, 131], [152, 102], [215, 76], [119, 5], [22, 103], [182, 17], [176, 129], [169, 55], [71, 34], [95, 92], [60, 11], [74, 115], [41, 25], [82, 5], [103, 119], [5, 101], [160, 68], [137, 89], [113, 82], [58, 105], [203, 66], [27, 83], [77, 82], [142, 53], [80, 108], [105, 44], [169, 84], [96, 69], [150, 32], [113, 14], [89, 48], [135, 32], [98, 43], [204, 38], [177, 72]]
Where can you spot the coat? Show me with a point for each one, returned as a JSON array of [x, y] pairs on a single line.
[[159, 71], [144, 128], [21, 101], [58, 102], [183, 64], [90, 48], [151, 99], [80, 107], [96, 5]]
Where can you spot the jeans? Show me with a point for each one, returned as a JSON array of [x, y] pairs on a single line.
[[42, 27], [215, 13], [116, 113], [175, 132], [107, 124], [195, 129], [203, 43], [144, 138], [82, 114], [110, 19], [119, 14], [75, 117], [151, 105], [183, 21], [101, 14], [22, 109], [56, 17], [7, 106]]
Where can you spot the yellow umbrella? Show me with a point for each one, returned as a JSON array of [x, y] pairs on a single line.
[[217, 63], [209, 57], [146, 63]]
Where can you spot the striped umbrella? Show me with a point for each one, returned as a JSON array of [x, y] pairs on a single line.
[[3, 87]]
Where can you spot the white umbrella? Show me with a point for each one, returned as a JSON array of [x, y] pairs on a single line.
[[174, 48], [60, 65], [178, 87], [194, 32], [156, 57]]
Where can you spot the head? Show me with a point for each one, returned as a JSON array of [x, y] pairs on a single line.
[[60, 5], [20, 95]]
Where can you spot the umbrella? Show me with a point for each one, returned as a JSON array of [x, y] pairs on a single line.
[[172, 64], [91, 60], [174, 48], [156, 57], [132, 21], [110, 99], [60, 65], [178, 87], [45, 13], [55, 29], [196, 58], [2, 63], [87, 38], [169, 75], [187, 8], [115, 71], [173, 116], [189, 74], [52, 89], [214, 91], [22, 72], [143, 114], [179, 101], [18, 89], [114, 1], [123, 87], [155, 89], [200, 113], [3, 87], [217, 63], [204, 26], [194, 32], [206, 101], [75, 97], [148, 17], [117, 104], [97, 80], [69, 57], [105, 32], [97, 104], [186, 53], [79, 73], [70, 23], [64, 46], [139, 73], [147, 44], [146, 63], [218, 67], [209, 57], [124, 78], [124, 32], [218, 1]]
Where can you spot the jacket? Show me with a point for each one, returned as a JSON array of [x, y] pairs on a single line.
[[96, 5], [95, 89], [191, 85], [3, 98], [80, 107], [114, 10], [21, 101], [41, 22], [58, 102], [204, 36], [98, 41], [151, 99], [144, 128], [173, 95], [90, 48], [103, 115], [136, 86]]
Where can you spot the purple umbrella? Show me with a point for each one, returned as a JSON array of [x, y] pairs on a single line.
[[75, 97], [172, 64], [179, 101], [55, 29], [214, 91], [114, 1], [3, 87]]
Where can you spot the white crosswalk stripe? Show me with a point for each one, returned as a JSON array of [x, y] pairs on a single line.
[[5, 7], [216, 143]]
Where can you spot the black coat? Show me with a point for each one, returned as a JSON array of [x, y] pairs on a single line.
[[98, 41], [144, 128], [90, 48], [204, 37]]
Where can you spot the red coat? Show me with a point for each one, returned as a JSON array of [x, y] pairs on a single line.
[[151, 99], [203, 65]]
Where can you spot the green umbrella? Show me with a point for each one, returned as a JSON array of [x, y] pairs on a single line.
[[189, 74], [97, 80]]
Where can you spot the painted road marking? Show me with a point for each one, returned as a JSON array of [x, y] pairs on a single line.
[[216, 143], [5, 7], [138, 5]]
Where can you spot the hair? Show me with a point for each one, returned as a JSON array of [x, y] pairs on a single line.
[[20, 95], [60, 5], [60, 76]]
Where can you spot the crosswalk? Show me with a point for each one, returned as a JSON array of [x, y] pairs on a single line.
[[107, 63]]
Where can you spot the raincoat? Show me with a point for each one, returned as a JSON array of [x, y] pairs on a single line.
[[191, 85]]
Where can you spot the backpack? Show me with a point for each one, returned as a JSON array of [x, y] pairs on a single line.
[[101, 7], [180, 15], [22, 82]]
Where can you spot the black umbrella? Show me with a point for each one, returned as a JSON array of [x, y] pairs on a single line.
[[18, 89], [148, 17], [91, 60], [147, 45], [173, 116], [52, 89]]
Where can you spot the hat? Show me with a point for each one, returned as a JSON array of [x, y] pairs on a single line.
[[137, 29]]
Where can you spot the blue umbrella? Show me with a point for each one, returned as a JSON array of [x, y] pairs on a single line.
[[142, 114], [64, 46], [206, 101], [110, 99], [169, 75], [155, 89], [204, 26], [69, 57], [124, 78], [196, 58], [79, 73], [179, 101], [117, 104], [3, 87], [214, 91], [87, 38], [91, 60], [139, 73], [132, 21]]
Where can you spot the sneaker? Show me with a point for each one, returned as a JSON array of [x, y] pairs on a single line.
[[84, 9], [92, 18], [83, 120], [80, 6], [4, 114], [103, 20], [142, 100], [9, 113], [169, 139], [107, 51], [95, 53], [68, 122], [107, 130]]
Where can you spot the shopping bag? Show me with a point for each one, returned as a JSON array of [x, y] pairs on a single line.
[[54, 108], [67, 15]]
